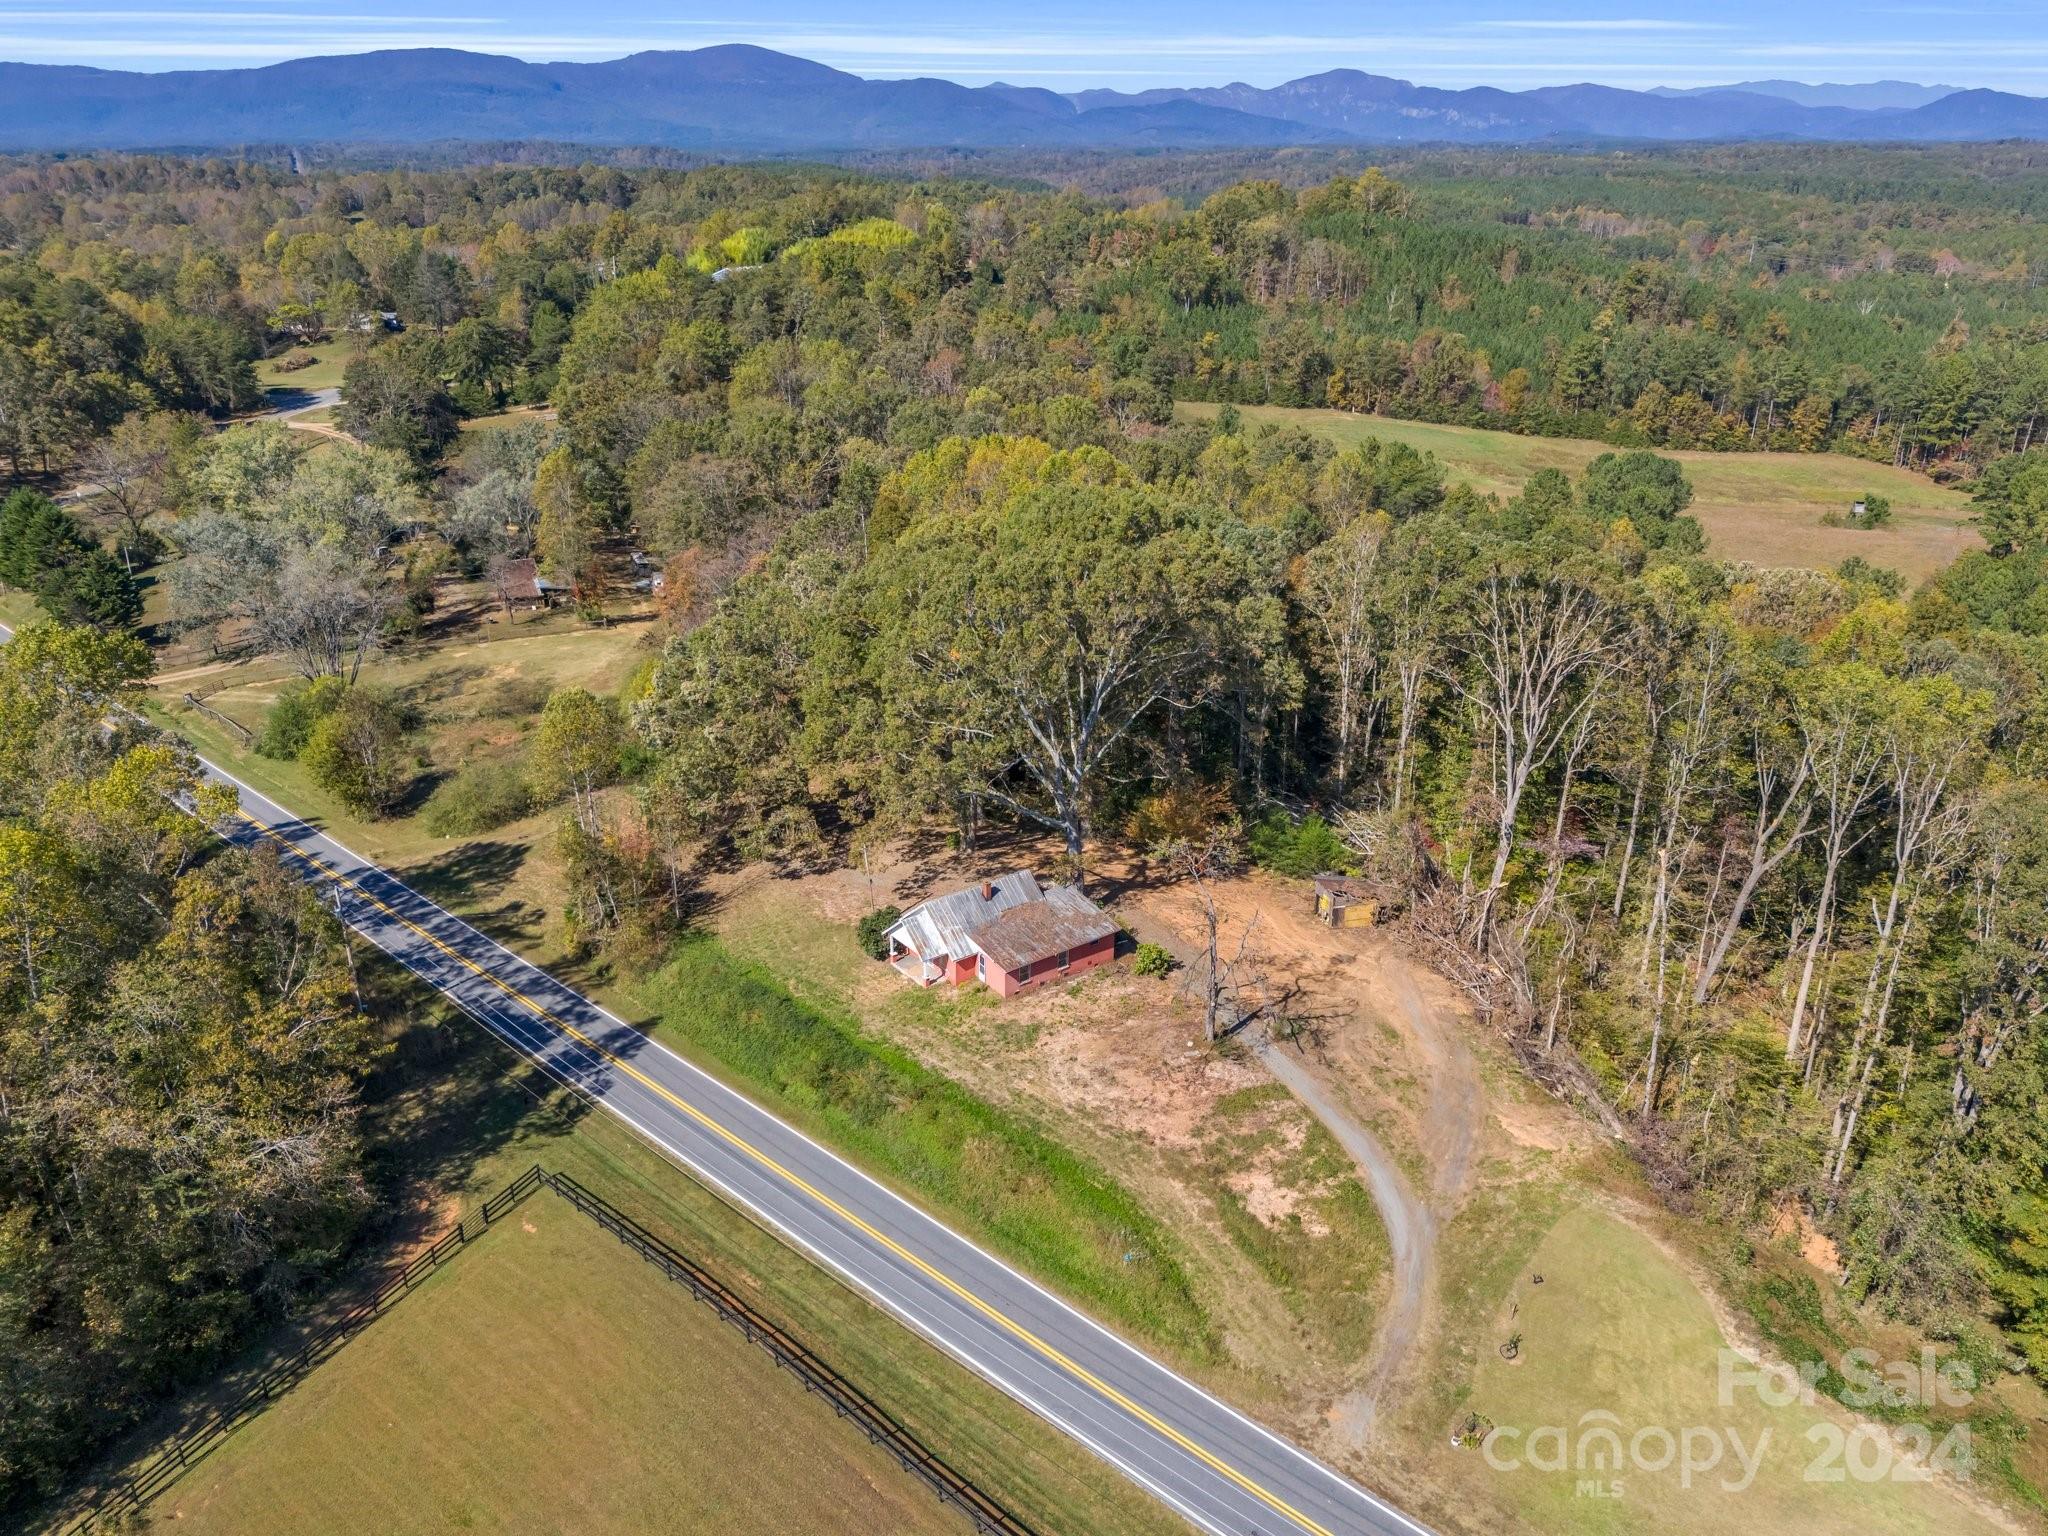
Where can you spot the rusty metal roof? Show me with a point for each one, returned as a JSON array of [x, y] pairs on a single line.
[[939, 928], [523, 577], [1061, 919]]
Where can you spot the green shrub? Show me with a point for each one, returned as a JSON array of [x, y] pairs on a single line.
[[1151, 960], [300, 706], [1299, 848], [354, 751], [479, 797], [873, 932]]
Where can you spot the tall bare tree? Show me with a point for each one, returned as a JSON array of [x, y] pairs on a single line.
[[1532, 645], [1339, 597], [1840, 714], [1203, 861]]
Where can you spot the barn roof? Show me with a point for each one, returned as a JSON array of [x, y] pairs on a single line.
[[522, 576], [1060, 920]]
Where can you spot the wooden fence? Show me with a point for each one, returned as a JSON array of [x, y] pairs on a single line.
[[138, 1488], [241, 732], [847, 1401]]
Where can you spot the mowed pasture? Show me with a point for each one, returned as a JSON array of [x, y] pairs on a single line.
[[548, 1379], [1765, 508], [1616, 1348], [477, 693], [330, 362]]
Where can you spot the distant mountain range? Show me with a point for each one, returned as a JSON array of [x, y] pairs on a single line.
[[1877, 95], [743, 99]]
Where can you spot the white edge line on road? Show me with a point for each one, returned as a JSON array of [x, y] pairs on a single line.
[[938, 1337], [1343, 1483]]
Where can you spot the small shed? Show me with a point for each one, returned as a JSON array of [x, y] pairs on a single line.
[[521, 585], [1344, 901]]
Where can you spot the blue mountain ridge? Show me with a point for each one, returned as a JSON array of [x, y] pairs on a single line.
[[739, 98]]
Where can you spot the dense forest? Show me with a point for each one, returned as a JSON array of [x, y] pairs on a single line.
[[181, 1049], [1752, 861], [1871, 303]]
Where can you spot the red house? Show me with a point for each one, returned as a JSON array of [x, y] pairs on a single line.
[[1009, 932]]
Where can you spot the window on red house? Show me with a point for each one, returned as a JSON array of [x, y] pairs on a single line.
[[1064, 954]]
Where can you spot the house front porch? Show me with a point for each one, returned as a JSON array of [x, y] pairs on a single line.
[[915, 968]]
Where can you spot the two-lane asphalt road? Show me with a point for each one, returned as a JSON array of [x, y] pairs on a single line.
[[1204, 1459]]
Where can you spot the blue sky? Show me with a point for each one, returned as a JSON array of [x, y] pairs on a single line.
[[1129, 44]]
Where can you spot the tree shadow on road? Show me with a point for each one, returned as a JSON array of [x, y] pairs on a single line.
[[472, 876]]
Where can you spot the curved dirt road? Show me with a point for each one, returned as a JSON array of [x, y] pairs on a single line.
[[1410, 1224], [1450, 1132], [1358, 979]]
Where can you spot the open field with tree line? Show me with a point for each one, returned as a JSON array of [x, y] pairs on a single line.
[[1488, 538], [1769, 509], [449, 1121]]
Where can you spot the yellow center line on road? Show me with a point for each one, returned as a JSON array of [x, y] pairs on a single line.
[[995, 1315]]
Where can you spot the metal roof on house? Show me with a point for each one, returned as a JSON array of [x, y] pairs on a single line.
[[940, 926], [1061, 920]]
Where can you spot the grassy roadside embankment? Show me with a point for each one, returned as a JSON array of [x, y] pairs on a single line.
[[1034, 1199]]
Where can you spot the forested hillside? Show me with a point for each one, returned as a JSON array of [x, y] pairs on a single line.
[[1874, 305], [1752, 862]]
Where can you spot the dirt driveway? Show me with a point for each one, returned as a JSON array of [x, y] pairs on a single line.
[[1381, 1064]]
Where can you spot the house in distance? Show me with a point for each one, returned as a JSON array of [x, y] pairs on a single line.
[[521, 585], [1009, 933]]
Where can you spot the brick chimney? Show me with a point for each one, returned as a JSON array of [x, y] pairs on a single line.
[[988, 890]]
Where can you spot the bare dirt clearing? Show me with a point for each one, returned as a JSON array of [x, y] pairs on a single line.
[[1379, 1060], [1280, 1240], [1380, 1094]]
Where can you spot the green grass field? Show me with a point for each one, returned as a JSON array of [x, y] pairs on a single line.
[[506, 418], [463, 1123], [602, 1360], [478, 693], [1049, 1209], [1067, 1219], [1299, 1296], [1046, 1208], [1619, 1336], [1760, 507], [330, 361], [549, 1380]]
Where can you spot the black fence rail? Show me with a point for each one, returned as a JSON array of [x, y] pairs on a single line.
[[847, 1400], [138, 1488]]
